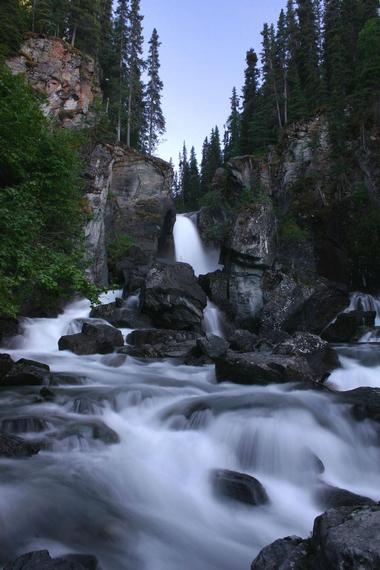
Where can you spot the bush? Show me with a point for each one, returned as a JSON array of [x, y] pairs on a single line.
[[41, 207], [119, 248]]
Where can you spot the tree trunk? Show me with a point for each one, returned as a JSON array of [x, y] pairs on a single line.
[[129, 129], [286, 96], [74, 36]]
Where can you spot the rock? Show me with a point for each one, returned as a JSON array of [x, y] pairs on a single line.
[[347, 325], [261, 368], [243, 341], [14, 446], [94, 339], [172, 297], [6, 363], [66, 77], [8, 327], [252, 239], [347, 538], [118, 315], [23, 424], [216, 286], [239, 487], [365, 403], [161, 343], [41, 560], [321, 358], [47, 394], [333, 497], [27, 373], [212, 346], [290, 553]]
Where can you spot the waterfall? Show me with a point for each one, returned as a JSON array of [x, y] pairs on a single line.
[[189, 248], [365, 302]]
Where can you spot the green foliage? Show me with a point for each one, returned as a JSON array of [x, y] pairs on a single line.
[[119, 248], [40, 204], [212, 199], [13, 24], [292, 231]]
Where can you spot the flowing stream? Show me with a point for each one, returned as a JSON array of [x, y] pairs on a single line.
[[147, 502]]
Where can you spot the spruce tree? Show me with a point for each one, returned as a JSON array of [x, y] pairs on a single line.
[[249, 102], [232, 134], [107, 51], [192, 189], [154, 115], [84, 25], [295, 96], [136, 66], [13, 25], [270, 72], [215, 157], [205, 167], [308, 51], [121, 36]]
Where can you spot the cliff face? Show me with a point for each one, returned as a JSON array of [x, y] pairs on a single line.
[[128, 198], [130, 214], [64, 75]]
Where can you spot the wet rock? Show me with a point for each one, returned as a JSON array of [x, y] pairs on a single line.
[[348, 537], [47, 394], [347, 326], [212, 346], [23, 425], [90, 429], [331, 497], [161, 343], [41, 560], [261, 368], [365, 403], [290, 553], [172, 297], [94, 339], [13, 446], [8, 327], [321, 358], [216, 287], [6, 364], [119, 315], [243, 341], [27, 373], [239, 487]]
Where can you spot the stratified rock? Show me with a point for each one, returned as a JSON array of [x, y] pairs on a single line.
[[333, 497], [27, 373], [243, 341], [290, 553], [348, 538], [64, 75], [239, 487], [261, 368], [94, 339], [172, 298], [161, 343], [14, 446], [41, 560], [347, 325]]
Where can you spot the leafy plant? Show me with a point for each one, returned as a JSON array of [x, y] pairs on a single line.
[[119, 248]]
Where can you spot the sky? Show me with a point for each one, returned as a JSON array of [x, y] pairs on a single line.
[[204, 43]]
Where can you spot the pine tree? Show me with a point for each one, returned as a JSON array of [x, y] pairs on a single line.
[[249, 102], [308, 51], [121, 36], [367, 10], [84, 25], [136, 65], [368, 67], [192, 188], [215, 157], [184, 173], [107, 51], [12, 27], [232, 134], [154, 115], [270, 73], [295, 98], [205, 167]]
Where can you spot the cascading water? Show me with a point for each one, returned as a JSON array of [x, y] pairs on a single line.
[[146, 502], [190, 249]]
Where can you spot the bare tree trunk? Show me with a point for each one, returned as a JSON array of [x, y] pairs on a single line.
[[129, 129], [286, 97], [74, 36], [275, 91]]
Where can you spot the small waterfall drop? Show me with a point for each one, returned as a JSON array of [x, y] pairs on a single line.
[[365, 302]]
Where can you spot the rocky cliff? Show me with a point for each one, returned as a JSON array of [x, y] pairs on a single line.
[[66, 78]]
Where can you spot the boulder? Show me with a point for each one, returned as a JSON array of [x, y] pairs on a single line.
[[118, 314], [331, 497], [26, 373], [212, 346], [94, 339], [14, 446], [6, 363], [261, 368], [347, 326], [42, 560], [8, 327], [161, 343], [348, 537], [321, 358], [216, 287], [238, 487], [172, 298], [365, 403], [243, 341], [290, 553]]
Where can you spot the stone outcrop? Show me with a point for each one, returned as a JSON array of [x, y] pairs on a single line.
[[172, 298], [94, 339], [130, 214], [65, 75]]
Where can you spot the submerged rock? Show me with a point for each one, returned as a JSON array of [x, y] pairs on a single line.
[[347, 326], [42, 560], [172, 297], [239, 487], [94, 339], [13, 446]]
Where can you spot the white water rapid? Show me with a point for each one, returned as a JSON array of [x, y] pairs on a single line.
[[146, 502]]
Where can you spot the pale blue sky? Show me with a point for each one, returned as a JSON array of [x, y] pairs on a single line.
[[204, 43]]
